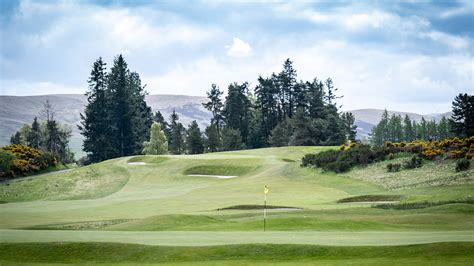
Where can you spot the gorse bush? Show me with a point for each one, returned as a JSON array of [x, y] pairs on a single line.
[[393, 167], [344, 159], [26, 160], [414, 162], [463, 164], [454, 148]]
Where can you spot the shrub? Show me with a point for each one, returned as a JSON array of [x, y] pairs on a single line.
[[320, 159], [463, 164], [414, 162], [28, 160], [393, 167], [6, 162], [338, 166]]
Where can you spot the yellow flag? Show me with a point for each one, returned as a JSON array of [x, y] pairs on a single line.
[[266, 190]]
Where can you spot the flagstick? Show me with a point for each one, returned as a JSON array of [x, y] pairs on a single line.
[[264, 213]]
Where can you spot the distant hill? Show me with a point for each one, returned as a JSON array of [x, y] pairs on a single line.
[[18, 110]]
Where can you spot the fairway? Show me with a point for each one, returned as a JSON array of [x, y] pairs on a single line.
[[180, 201]]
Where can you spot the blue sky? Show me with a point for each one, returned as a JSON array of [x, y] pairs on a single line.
[[406, 55]]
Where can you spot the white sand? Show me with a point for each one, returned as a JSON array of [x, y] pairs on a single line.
[[137, 163], [218, 176]]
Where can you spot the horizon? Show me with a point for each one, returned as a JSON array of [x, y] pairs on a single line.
[[394, 55], [203, 96]]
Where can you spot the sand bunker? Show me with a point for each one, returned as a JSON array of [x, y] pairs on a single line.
[[137, 163], [217, 176]]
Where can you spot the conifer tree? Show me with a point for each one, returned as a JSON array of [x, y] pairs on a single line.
[[237, 109], [213, 139], [231, 139], [462, 119], [349, 125], [408, 132], [194, 139], [34, 136], [281, 134], [215, 105]]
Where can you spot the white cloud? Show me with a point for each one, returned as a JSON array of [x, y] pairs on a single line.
[[21, 87], [239, 48]]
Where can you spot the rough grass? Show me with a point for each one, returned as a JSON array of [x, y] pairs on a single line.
[[431, 174], [256, 207], [370, 198], [423, 204], [224, 170], [428, 254]]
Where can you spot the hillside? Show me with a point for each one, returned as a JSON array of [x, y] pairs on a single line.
[[17, 110], [210, 206]]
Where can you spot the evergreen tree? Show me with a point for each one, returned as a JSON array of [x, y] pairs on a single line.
[[444, 131], [431, 130], [95, 123], [194, 139], [281, 134], [267, 107], [462, 119], [287, 82], [231, 139], [158, 143], [395, 128], [215, 105], [422, 129], [304, 131], [15, 138], [379, 132], [237, 109], [408, 132], [177, 132], [34, 136], [330, 95], [158, 118], [349, 125], [316, 96], [213, 140]]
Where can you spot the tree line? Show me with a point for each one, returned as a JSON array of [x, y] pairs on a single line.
[[46, 135], [394, 128], [278, 111]]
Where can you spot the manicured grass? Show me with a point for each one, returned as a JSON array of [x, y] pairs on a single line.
[[157, 203], [426, 254]]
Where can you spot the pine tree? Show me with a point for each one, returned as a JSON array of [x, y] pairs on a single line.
[[408, 132], [231, 139], [281, 134], [287, 82], [177, 132], [237, 109], [267, 107], [349, 125], [213, 139], [422, 129], [158, 117], [215, 105], [158, 143], [96, 126], [462, 119], [380, 132], [121, 109], [316, 96], [194, 139], [444, 131], [304, 131], [34, 136]]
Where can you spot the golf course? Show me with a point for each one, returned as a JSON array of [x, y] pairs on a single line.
[[208, 209]]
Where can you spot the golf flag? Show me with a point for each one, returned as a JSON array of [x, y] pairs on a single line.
[[266, 190]]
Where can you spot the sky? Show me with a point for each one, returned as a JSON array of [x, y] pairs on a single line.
[[407, 55]]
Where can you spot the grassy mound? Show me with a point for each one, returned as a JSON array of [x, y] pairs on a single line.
[[423, 204], [255, 207], [370, 198], [147, 159], [432, 254], [223, 170]]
